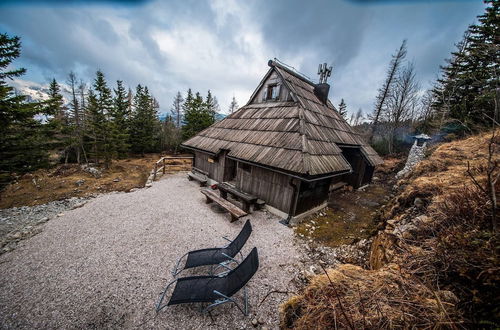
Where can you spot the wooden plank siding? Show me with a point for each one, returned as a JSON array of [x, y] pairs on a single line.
[[215, 170], [272, 187]]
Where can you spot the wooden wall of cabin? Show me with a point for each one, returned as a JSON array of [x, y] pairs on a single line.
[[214, 168], [272, 187], [362, 171], [367, 178], [312, 194], [358, 164]]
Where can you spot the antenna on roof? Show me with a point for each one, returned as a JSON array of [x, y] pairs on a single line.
[[324, 73]]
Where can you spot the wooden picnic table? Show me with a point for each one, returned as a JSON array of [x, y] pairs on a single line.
[[245, 198]]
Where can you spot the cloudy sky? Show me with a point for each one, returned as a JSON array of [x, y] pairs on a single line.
[[224, 45]]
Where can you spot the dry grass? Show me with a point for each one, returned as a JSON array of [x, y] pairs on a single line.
[[350, 297], [416, 280], [443, 172], [60, 182]]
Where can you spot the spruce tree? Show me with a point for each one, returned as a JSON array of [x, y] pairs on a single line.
[[23, 143], [212, 105], [469, 87], [343, 109], [197, 115], [54, 104], [57, 126], [120, 118], [100, 129], [144, 124]]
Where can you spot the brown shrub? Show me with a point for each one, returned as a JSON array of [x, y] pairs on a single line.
[[350, 297], [466, 253]]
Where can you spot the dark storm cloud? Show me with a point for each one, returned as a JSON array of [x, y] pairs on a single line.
[[329, 30], [224, 45]]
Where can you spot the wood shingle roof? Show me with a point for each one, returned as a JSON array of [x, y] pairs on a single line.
[[301, 136]]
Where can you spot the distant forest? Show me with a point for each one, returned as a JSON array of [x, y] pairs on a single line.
[[102, 123]]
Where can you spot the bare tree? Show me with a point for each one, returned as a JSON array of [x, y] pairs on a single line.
[[426, 110], [358, 119], [177, 109], [233, 106], [386, 87], [401, 102], [75, 115]]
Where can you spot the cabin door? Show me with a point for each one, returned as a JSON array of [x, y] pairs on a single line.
[[229, 170]]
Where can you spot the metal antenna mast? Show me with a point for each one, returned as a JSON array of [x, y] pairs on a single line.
[[324, 73]]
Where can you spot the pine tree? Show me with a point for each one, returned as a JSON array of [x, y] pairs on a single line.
[[177, 109], [54, 104], [57, 126], [233, 106], [144, 124], [100, 129], [23, 144], [469, 87], [197, 115], [212, 106], [343, 109], [120, 117]]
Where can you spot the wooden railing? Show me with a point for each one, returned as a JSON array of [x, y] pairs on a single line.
[[163, 163]]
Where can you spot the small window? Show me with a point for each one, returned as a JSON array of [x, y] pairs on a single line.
[[272, 92], [245, 167]]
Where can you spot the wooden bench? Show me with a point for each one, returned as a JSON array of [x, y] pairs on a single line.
[[235, 211], [198, 176], [246, 199]]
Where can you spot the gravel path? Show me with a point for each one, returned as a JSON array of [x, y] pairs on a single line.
[[103, 265]]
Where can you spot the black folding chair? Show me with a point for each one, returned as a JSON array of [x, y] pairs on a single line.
[[216, 256], [215, 290]]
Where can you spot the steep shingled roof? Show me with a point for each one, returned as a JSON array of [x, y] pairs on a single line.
[[301, 136]]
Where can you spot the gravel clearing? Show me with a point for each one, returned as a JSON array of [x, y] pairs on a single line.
[[104, 264]]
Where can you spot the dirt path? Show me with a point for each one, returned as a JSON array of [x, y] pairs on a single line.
[[103, 265]]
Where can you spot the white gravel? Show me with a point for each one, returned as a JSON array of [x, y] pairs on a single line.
[[103, 265]]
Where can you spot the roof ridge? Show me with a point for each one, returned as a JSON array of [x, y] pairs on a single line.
[[296, 74]]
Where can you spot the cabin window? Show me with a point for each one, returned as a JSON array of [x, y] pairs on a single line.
[[245, 167], [272, 92]]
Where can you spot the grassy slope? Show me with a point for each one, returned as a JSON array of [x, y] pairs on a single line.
[[442, 272]]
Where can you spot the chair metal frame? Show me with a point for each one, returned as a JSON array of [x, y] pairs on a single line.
[[176, 270], [223, 300]]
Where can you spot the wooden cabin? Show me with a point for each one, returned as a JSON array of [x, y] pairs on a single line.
[[288, 146]]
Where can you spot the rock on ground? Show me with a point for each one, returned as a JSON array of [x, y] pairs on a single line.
[[19, 223]]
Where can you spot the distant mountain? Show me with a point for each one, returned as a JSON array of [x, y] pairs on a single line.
[[37, 92], [218, 116]]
